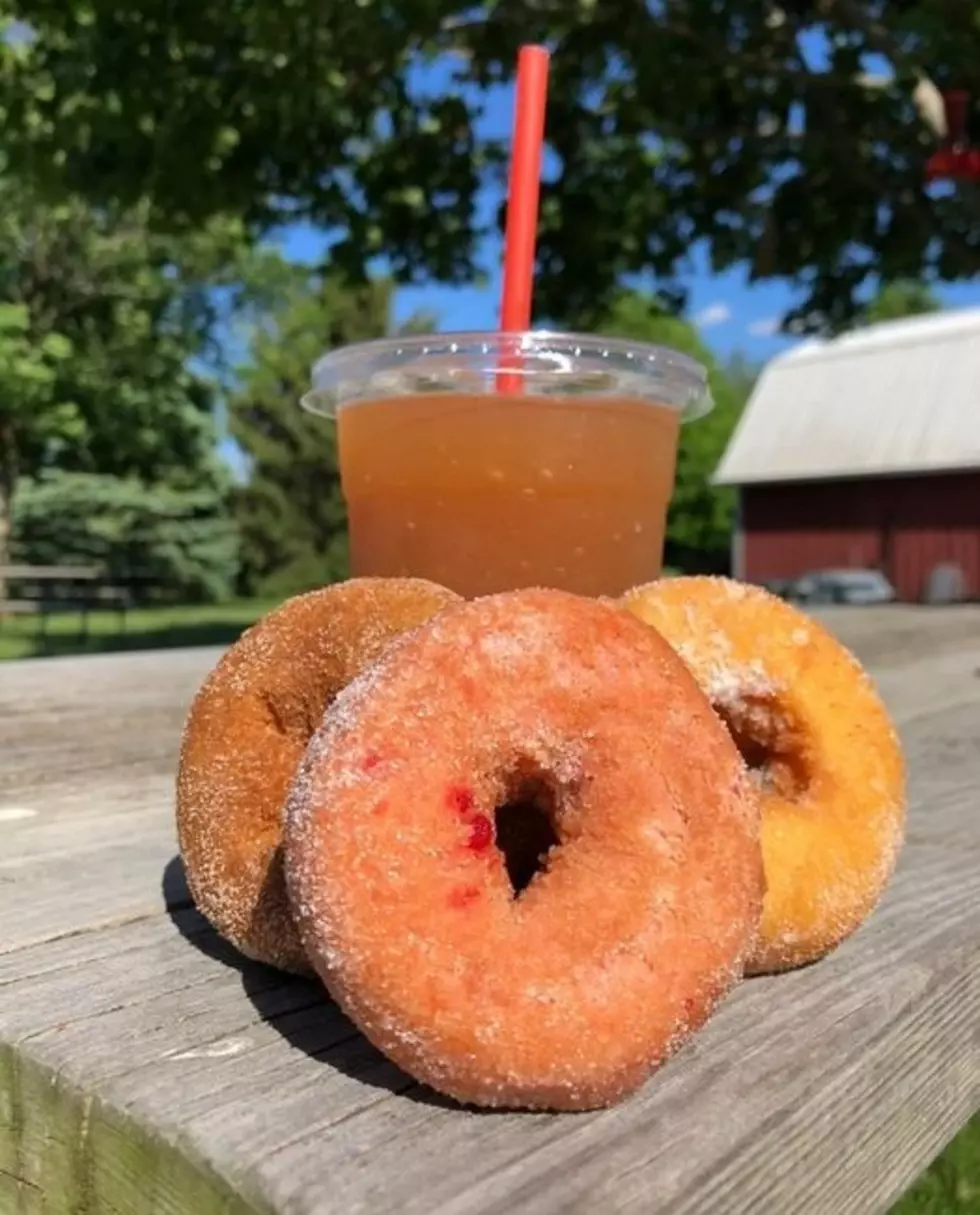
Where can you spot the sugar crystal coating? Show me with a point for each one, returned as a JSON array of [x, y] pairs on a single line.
[[568, 993], [827, 754], [246, 732]]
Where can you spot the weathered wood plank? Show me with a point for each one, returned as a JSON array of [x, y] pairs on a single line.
[[146, 1067]]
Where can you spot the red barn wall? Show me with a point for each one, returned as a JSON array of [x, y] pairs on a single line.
[[904, 526]]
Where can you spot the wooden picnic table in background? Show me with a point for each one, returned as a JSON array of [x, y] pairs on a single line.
[[145, 1067], [44, 590]]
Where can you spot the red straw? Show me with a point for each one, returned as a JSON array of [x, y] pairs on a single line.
[[523, 190]]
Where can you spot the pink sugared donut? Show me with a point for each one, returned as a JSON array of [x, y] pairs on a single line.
[[523, 853]]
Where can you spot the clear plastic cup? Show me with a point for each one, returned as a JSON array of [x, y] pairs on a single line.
[[492, 461]]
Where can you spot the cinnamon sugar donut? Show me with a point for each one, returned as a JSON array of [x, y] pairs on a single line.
[[246, 733], [523, 853], [810, 724]]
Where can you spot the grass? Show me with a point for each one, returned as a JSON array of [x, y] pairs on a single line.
[[951, 1185], [145, 629]]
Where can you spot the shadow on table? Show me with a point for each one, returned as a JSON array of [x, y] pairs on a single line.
[[298, 1009]]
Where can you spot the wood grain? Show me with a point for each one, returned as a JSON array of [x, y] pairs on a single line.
[[145, 1067]]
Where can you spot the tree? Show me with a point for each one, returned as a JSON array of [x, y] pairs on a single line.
[[701, 516], [291, 512], [100, 325], [898, 299], [161, 543], [267, 113], [740, 374], [709, 120], [29, 398]]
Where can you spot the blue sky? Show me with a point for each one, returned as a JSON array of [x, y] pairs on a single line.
[[732, 314]]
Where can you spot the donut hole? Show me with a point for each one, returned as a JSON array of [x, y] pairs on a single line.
[[525, 827], [771, 741]]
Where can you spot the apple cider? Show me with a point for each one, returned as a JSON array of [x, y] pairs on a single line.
[[485, 492]]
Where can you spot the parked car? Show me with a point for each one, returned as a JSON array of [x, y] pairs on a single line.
[[842, 586], [778, 586]]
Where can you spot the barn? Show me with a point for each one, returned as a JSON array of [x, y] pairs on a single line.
[[864, 452]]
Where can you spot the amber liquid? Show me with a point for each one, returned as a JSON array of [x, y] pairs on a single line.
[[487, 493]]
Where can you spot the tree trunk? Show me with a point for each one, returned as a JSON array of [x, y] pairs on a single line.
[[8, 480], [5, 513]]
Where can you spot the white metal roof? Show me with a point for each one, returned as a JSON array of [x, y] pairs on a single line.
[[903, 396]]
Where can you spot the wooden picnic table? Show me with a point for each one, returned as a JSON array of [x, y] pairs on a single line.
[[47, 590], [146, 1068]]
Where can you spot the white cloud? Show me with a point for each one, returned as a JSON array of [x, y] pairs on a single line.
[[765, 327], [714, 314]]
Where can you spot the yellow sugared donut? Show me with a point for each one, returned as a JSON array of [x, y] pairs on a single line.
[[817, 737]]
